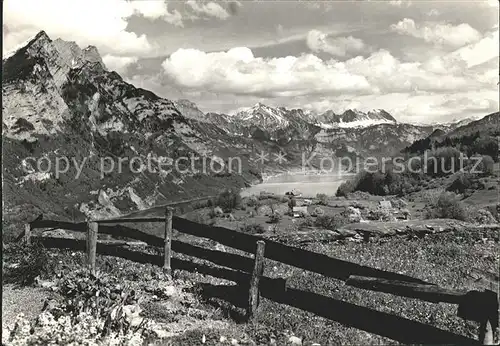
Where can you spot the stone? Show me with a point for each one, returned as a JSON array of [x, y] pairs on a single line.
[[169, 290], [132, 314], [293, 340], [220, 247], [218, 211]]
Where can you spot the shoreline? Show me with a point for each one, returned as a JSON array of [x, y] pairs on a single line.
[[295, 172], [309, 186]]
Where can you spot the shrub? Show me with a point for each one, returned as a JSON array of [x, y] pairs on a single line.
[[292, 202], [447, 206], [358, 195], [252, 201], [460, 184], [494, 210], [405, 213], [430, 197], [483, 216], [283, 199], [200, 204], [267, 195], [95, 310], [399, 203], [275, 217], [272, 206], [318, 211], [322, 199], [215, 212], [486, 165], [26, 263], [381, 183], [352, 214], [228, 200], [253, 229], [330, 222], [307, 222], [380, 215], [345, 188], [464, 182]]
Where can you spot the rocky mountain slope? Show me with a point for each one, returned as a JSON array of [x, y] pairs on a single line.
[[63, 109], [375, 141], [479, 136], [353, 132], [354, 118], [487, 126]]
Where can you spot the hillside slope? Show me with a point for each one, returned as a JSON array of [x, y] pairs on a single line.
[[63, 107]]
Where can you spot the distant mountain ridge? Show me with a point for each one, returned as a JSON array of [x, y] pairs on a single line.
[[274, 118], [479, 136], [354, 118], [61, 100]]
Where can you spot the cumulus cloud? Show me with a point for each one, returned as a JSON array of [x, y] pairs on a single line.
[[442, 34], [98, 22], [210, 9], [481, 51], [318, 41], [118, 63], [238, 71]]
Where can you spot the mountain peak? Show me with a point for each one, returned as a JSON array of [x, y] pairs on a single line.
[[261, 115], [40, 39], [42, 35], [259, 105], [355, 118], [58, 55]]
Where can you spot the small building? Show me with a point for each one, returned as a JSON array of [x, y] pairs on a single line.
[[299, 211], [385, 205], [294, 192]]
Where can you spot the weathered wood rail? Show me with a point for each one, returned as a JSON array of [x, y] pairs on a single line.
[[480, 306]]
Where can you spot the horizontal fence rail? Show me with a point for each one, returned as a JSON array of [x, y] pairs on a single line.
[[480, 306], [286, 254]]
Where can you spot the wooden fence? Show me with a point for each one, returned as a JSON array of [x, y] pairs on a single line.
[[479, 306]]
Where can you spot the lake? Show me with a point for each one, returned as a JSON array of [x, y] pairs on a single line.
[[308, 184]]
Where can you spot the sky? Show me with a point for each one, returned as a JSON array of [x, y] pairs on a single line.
[[422, 61]]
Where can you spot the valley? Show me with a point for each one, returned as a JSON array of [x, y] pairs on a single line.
[[81, 144]]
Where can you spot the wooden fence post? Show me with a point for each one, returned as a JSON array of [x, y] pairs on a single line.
[[27, 234], [253, 294], [167, 253], [92, 230], [488, 324]]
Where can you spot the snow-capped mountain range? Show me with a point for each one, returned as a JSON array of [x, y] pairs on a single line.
[[275, 118], [262, 115], [354, 118]]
